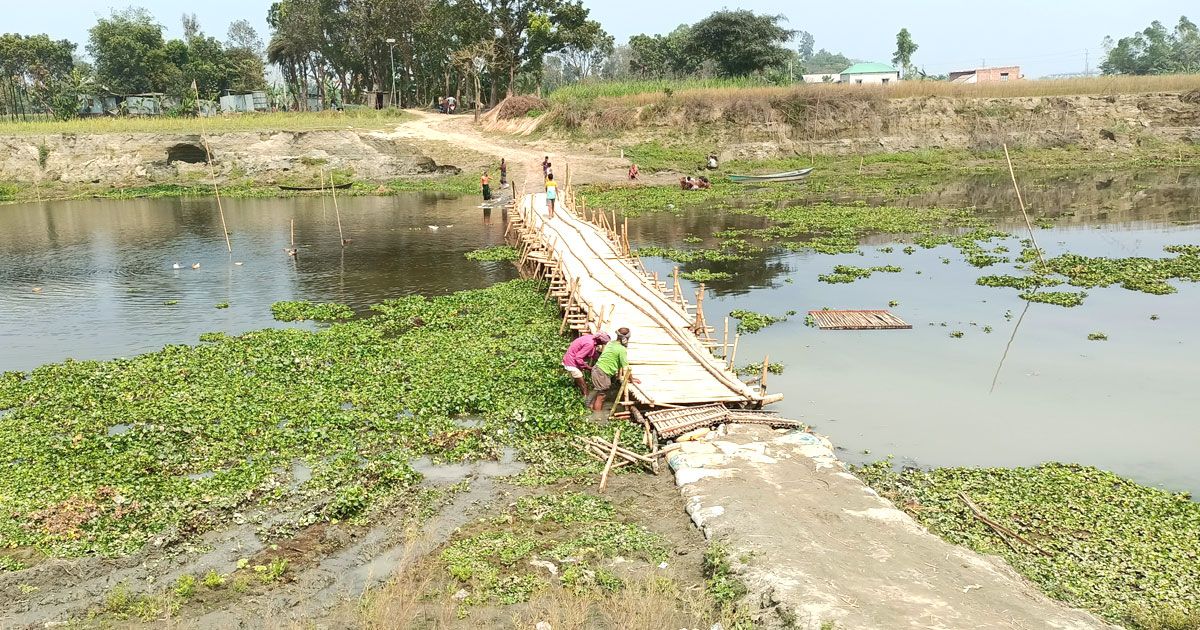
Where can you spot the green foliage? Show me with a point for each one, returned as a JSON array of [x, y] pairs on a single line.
[[957, 334], [272, 572], [8, 563], [8, 192], [751, 322], [690, 255], [1148, 275], [905, 48], [739, 42], [213, 579], [755, 369], [295, 311], [1125, 551], [1097, 336], [845, 274], [1017, 282], [494, 253], [565, 508], [705, 275], [222, 305], [185, 586], [720, 582], [215, 425], [1155, 50], [1068, 299]]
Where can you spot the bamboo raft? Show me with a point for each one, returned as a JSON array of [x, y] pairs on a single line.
[[601, 285], [858, 320], [670, 423]]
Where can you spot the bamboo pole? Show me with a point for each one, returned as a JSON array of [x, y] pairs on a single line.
[[725, 344], [293, 233], [620, 393], [762, 381], [213, 174], [336, 210], [611, 456], [733, 353], [1021, 201]]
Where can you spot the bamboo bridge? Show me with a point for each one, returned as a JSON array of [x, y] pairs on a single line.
[[601, 285]]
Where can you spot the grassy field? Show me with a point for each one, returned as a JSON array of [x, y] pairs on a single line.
[[278, 121], [652, 91]]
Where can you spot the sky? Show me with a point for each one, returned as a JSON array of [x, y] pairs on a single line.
[[1042, 36]]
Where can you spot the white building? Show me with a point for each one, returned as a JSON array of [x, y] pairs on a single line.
[[821, 78], [870, 74]]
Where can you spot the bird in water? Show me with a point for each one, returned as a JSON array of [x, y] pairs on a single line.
[[177, 266], [195, 265], [291, 251], [347, 241], [37, 289], [433, 227], [239, 264]]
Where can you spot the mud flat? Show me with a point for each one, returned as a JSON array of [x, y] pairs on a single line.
[[815, 546]]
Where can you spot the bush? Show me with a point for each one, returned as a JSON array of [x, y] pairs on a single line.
[[519, 106]]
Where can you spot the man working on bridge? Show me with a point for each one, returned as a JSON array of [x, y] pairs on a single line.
[[609, 368], [581, 355]]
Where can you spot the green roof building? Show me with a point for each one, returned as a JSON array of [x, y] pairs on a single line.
[[870, 73]]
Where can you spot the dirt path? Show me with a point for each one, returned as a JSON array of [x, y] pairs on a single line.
[[439, 135]]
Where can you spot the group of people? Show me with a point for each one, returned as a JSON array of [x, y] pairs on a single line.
[[551, 185], [606, 364], [485, 181], [694, 183], [447, 104]]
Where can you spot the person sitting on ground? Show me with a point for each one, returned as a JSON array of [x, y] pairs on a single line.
[[702, 183], [551, 194], [581, 356], [485, 182], [685, 183], [633, 172], [610, 368], [712, 161]]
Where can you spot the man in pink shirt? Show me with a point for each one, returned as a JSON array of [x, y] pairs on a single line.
[[581, 355]]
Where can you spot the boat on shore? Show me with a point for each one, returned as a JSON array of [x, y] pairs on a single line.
[[788, 176], [337, 186]]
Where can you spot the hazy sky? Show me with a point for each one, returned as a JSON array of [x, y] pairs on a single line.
[[1042, 36]]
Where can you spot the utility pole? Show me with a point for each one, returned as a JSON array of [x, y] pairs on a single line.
[[1087, 63], [391, 42]]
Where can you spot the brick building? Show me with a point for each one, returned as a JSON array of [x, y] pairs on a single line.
[[987, 75]]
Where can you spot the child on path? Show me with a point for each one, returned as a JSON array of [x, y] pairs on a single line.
[[551, 193]]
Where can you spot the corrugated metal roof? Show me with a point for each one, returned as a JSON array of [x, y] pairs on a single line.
[[868, 68]]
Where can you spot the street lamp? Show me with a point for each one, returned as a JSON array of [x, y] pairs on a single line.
[[391, 42]]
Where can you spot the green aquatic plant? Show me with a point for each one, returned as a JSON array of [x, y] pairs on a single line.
[[210, 430], [1099, 541], [755, 369], [1018, 282], [751, 322], [296, 311], [957, 334], [690, 255], [1097, 336], [845, 274], [222, 305], [494, 253], [1068, 299], [1148, 275], [705, 275]]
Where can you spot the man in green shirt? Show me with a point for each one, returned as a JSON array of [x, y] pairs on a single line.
[[609, 368]]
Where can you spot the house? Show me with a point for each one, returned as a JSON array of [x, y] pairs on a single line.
[[987, 75], [244, 102], [149, 104], [377, 99], [820, 78], [870, 74]]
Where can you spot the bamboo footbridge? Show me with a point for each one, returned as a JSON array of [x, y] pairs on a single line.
[[601, 285]]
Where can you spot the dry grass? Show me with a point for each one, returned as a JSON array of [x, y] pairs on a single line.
[[1101, 86], [647, 603], [278, 121]]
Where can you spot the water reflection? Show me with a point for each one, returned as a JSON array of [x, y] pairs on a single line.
[[109, 286]]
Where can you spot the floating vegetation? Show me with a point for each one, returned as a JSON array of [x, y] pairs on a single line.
[[957, 334], [1122, 550], [356, 401], [1148, 275], [315, 311], [170, 302], [493, 254], [1097, 336], [755, 369], [893, 304], [751, 322], [222, 305], [845, 274], [690, 255], [691, 240], [1068, 299], [1024, 283], [705, 275]]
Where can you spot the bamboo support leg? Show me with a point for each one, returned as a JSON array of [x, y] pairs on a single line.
[[611, 456]]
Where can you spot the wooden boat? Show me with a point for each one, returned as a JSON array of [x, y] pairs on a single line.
[[337, 186], [789, 176]]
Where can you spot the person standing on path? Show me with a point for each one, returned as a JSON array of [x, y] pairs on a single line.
[[582, 355], [503, 174], [545, 166], [610, 367], [485, 182], [551, 194]]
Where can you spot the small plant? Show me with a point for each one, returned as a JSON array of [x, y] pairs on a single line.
[[987, 329], [43, 155], [170, 302], [213, 580], [751, 322], [493, 254], [957, 334], [185, 585], [720, 582], [893, 304], [8, 563], [240, 584], [222, 304], [705, 275], [1097, 336], [272, 572]]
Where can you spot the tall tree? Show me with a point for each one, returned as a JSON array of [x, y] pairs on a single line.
[[1155, 50], [129, 52], [905, 49], [807, 42], [44, 68], [740, 42]]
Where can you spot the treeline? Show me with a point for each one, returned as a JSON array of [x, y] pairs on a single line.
[[130, 56], [1155, 50]]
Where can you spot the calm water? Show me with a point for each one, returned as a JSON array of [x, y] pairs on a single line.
[[1131, 404], [105, 267]]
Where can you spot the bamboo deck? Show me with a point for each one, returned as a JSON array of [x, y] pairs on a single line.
[[858, 320], [600, 285]]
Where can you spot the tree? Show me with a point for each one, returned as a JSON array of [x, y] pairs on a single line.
[[129, 52], [242, 36], [740, 42], [905, 48], [44, 68], [244, 48], [825, 62], [807, 42], [191, 26], [1155, 50]]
